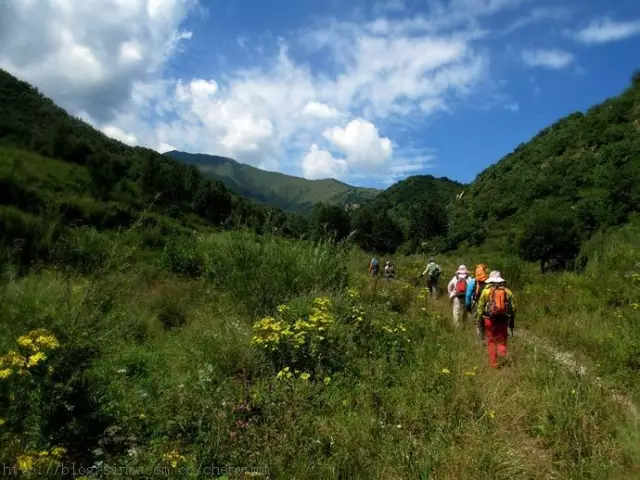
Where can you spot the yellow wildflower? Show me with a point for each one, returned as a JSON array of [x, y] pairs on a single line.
[[445, 371], [173, 457], [26, 342], [58, 451], [35, 359], [284, 373], [47, 341], [13, 359], [25, 462], [327, 380], [5, 373], [492, 414], [305, 376]]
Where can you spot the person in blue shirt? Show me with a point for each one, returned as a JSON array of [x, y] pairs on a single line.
[[468, 296]]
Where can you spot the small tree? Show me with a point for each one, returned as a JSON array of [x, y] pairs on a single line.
[[550, 236]]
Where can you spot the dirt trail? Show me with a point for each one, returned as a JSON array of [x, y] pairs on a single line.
[[567, 359]]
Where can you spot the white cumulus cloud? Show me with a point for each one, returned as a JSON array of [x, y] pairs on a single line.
[[318, 164], [553, 59], [88, 54], [105, 60], [606, 30], [320, 110], [360, 141]]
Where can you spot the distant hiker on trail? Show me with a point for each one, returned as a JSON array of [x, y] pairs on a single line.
[[389, 271], [474, 287], [457, 289], [432, 272], [496, 308], [374, 266]]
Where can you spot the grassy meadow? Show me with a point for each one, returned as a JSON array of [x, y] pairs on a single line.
[[282, 359]]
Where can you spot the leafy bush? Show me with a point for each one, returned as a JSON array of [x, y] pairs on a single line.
[[27, 238], [171, 313], [181, 256], [84, 249]]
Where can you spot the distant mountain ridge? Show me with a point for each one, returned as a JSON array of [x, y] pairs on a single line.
[[290, 193]]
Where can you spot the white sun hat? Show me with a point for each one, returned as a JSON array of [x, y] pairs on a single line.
[[495, 277], [462, 269]]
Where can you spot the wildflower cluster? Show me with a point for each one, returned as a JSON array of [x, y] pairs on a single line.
[[173, 457], [35, 346], [293, 339], [29, 461], [394, 330], [285, 373], [268, 332], [357, 314]]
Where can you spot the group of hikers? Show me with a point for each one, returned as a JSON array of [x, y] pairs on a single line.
[[389, 269], [482, 295]]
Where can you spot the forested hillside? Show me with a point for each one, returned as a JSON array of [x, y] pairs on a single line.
[[417, 206], [550, 194], [293, 194], [59, 172]]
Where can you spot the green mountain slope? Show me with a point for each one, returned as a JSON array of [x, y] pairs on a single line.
[[581, 173], [284, 191], [57, 171]]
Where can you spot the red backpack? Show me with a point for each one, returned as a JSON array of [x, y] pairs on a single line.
[[461, 287]]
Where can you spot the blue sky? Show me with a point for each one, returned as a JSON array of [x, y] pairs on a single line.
[[367, 92]]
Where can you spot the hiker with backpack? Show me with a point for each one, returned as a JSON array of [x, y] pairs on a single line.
[[389, 271], [474, 287], [433, 272], [457, 288], [374, 267], [496, 309]]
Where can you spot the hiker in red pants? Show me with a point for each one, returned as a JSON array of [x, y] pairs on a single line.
[[496, 307]]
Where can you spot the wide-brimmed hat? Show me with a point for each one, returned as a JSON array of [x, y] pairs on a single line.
[[495, 277], [462, 269]]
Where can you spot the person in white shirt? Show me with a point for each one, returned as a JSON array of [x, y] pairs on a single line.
[[457, 289]]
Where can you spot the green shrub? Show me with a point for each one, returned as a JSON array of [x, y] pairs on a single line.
[[181, 256], [84, 249], [171, 313], [27, 238]]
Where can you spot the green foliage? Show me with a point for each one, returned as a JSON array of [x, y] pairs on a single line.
[[181, 256], [587, 162], [550, 236], [329, 221], [171, 312], [375, 230], [261, 273]]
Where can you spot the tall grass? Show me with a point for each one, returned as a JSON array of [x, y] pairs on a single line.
[[157, 366]]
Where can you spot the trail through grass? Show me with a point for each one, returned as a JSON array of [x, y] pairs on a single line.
[[186, 362]]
